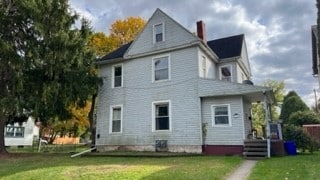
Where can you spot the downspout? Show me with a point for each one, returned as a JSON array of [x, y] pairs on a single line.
[[267, 119]]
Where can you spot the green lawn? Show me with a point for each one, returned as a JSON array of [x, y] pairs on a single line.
[[61, 166], [305, 166]]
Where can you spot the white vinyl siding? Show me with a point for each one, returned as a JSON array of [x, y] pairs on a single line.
[[116, 119], [221, 115], [161, 114], [117, 75], [204, 66], [161, 68]]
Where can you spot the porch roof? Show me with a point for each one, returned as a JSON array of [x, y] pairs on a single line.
[[215, 88]]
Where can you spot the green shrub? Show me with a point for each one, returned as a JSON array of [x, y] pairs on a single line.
[[300, 118], [302, 139]]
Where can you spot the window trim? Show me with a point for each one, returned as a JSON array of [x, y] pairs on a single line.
[[153, 68], [154, 33], [111, 118], [113, 76], [213, 115], [154, 103], [231, 74]]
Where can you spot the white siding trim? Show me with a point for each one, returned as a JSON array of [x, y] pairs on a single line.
[[154, 116], [169, 68], [213, 115], [110, 118], [112, 76]]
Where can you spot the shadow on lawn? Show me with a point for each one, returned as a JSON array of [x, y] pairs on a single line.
[[181, 167], [20, 162]]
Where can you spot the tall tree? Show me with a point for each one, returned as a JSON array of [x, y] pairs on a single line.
[[257, 108], [292, 103], [121, 32], [44, 63], [124, 31]]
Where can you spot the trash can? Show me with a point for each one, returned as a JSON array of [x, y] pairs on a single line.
[[290, 147]]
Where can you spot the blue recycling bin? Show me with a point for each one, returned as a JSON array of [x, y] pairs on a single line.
[[291, 148]]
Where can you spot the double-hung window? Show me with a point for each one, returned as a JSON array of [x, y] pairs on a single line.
[[158, 34], [161, 115], [221, 115], [116, 119], [226, 73], [117, 75], [161, 67]]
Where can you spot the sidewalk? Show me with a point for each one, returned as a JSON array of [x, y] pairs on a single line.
[[243, 170]]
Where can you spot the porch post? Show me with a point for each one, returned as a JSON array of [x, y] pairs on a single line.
[[267, 119]]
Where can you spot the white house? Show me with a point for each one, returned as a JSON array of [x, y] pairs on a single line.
[[171, 90], [21, 134]]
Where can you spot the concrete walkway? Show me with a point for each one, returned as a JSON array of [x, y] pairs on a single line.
[[242, 172]]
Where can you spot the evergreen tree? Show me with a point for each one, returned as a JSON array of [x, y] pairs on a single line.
[[292, 103], [45, 64]]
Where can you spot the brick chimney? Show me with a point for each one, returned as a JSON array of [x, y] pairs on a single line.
[[201, 31]]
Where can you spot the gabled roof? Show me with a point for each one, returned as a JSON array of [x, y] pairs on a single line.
[[227, 47], [118, 53], [314, 38]]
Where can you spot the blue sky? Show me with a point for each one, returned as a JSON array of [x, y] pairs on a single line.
[[277, 32]]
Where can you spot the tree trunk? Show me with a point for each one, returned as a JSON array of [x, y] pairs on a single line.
[[2, 126], [92, 121]]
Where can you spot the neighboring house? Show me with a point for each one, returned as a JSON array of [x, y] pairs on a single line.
[[21, 134], [170, 90], [315, 55]]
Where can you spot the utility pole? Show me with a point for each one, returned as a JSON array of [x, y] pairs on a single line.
[[316, 100]]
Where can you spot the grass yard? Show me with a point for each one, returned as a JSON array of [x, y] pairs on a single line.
[[61, 166], [304, 166]]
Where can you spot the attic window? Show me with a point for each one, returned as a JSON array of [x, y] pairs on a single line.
[[158, 33], [226, 73]]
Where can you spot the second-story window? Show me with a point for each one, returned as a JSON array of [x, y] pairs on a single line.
[[226, 73], [158, 33], [117, 76], [204, 66], [161, 66]]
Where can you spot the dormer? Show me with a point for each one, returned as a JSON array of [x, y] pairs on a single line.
[[233, 65]]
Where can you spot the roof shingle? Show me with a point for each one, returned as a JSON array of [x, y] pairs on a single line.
[[118, 53], [227, 47]]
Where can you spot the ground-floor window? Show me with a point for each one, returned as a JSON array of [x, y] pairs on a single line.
[[14, 131], [116, 119], [161, 115], [221, 115]]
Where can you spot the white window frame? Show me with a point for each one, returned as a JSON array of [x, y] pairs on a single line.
[[231, 74], [111, 118], [153, 68], [113, 75], [154, 33], [213, 116], [154, 115]]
